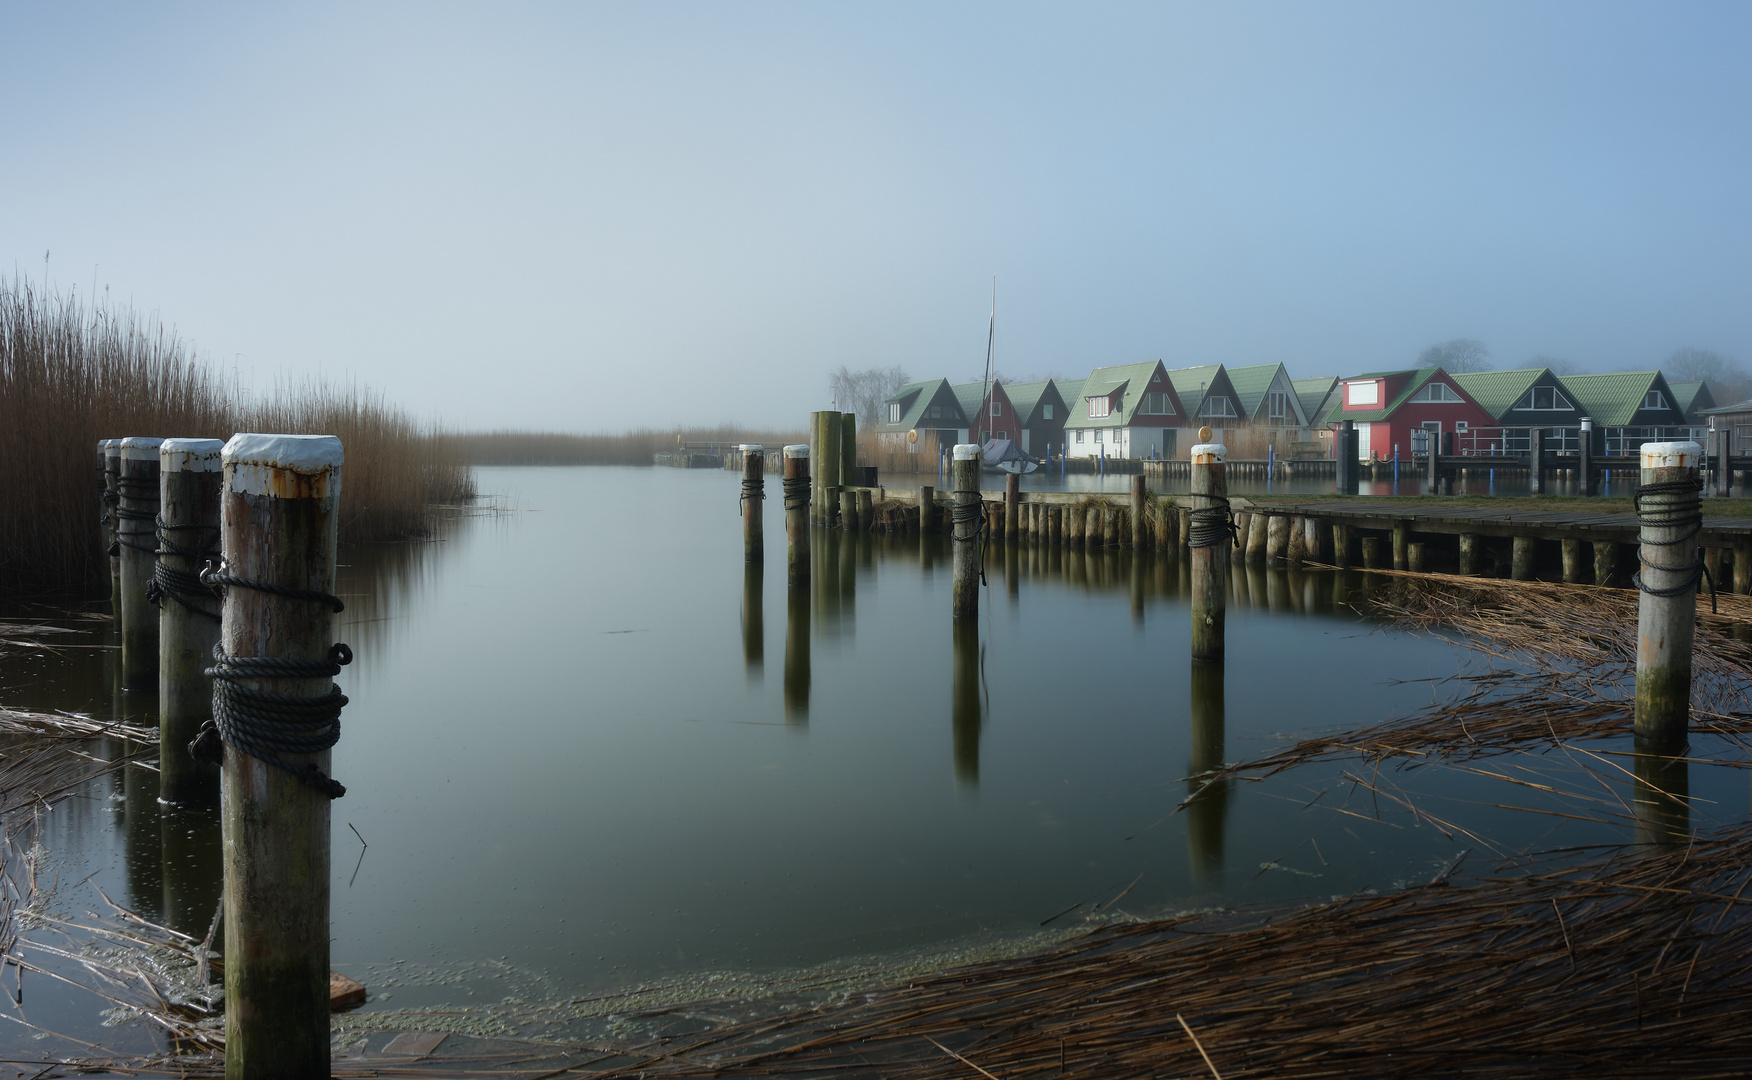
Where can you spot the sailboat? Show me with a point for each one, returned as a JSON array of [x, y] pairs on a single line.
[[1000, 455]]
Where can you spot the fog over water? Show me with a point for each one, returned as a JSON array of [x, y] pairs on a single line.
[[520, 214]]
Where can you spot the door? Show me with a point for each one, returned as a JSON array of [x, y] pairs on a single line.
[[1364, 452]]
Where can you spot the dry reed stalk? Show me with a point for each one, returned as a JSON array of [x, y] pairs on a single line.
[[71, 374]]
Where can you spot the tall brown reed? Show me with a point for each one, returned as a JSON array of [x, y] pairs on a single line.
[[72, 373]]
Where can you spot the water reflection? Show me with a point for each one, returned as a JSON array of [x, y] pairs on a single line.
[[1207, 809], [967, 699], [797, 654], [753, 624], [1662, 798], [191, 868]]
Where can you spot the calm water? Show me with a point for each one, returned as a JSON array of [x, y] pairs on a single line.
[[588, 748]]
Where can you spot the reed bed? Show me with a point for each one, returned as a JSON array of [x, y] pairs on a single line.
[[73, 373], [508, 447]]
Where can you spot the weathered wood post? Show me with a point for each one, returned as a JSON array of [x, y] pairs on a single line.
[[1012, 509], [1207, 802], [1277, 537], [1670, 517], [110, 461], [848, 456], [1139, 537], [1092, 526], [866, 509], [1401, 540], [1414, 554], [796, 491], [1074, 529], [1572, 560], [1589, 483], [137, 533], [1113, 525], [1341, 544], [1183, 519], [1243, 530], [848, 501], [1209, 540], [1296, 548], [1524, 557], [753, 501], [1372, 555], [1055, 518], [1469, 554], [754, 619], [1605, 562], [826, 456], [1258, 529], [188, 618], [1311, 538], [797, 671], [277, 712], [1536, 461], [1743, 568], [964, 598], [967, 710], [927, 509]]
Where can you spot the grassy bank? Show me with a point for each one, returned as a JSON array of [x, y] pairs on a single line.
[[632, 448], [71, 374]]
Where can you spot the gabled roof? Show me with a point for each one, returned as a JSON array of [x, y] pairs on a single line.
[[1692, 397], [1026, 397], [1252, 383], [1415, 382], [1497, 391], [913, 399], [970, 395], [1312, 393], [1614, 400], [1192, 383], [1132, 379], [1072, 391], [1736, 407]]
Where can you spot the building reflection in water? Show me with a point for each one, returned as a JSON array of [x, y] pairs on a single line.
[[797, 654], [1207, 808], [967, 699], [753, 620], [1662, 798]]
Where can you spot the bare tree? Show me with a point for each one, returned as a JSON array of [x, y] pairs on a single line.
[[863, 392], [1557, 364], [1457, 356], [1727, 379]]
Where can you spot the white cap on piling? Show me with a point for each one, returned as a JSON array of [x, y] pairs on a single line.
[[797, 450], [190, 455], [752, 448], [1670, 455], [140, 448], [110, 444], [966, 451], [1209, 453], [284, 466]]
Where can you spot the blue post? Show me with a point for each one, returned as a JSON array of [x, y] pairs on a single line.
[[1396, 466], [1493, 481]]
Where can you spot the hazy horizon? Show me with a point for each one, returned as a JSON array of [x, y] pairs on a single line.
[[538, 215]]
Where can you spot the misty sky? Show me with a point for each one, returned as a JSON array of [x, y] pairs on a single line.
[[612, 216]]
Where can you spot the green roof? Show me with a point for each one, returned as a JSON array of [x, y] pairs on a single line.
[[1611, 400], [1419, 376], [914, 398], [1024, 396], [1134, 379], [970, 395], [1191, 383], [1497, 391], [1251, 385], [1691, 397], [1072, 391], [1312, 393]]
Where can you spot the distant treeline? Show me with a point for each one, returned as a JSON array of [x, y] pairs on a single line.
[[633, 448], [71, 374]]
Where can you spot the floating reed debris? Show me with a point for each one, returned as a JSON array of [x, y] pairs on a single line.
[[72, 373]]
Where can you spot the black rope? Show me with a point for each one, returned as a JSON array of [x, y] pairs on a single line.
[[183, 586], [1211, 525], [751, 491], [960, 513], [1685, 514], [796, 490], [136, 490], [265, 725], [215, 576]]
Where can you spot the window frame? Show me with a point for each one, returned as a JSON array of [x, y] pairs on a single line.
[[1105, 405]]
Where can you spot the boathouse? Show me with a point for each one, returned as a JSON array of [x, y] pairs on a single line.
[[1125, 411], [1209, 397], [1040, 412], [1390, 407], [930, 408], [996, 413], [1629, 408]]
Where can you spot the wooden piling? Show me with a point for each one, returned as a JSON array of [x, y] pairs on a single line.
[[1670, 517], [927, 509], [848, 454], [964, 599], [1712, 562], [1209, 542], [1401, 538], [1243, 530], [866, 510], [1372, 552], [1277, 537], [1743, 568], [1257, 530], [1012, 508], [1074, 515], [1055, 516], [1183, 518], [825, 454], [1469, 544], [280, 497], [1311, 538], [1092, 526], [1296, 549], [1414, 557], [1139, 538], [753, 501], [1523, 562], [1341, 544], [848, 501], [796, 484], [110, 454], [137, 533], [188, 618], [1113, 525], [1605, 562]]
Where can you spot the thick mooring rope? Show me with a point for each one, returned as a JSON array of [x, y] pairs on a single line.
[[265, 725], [796, 491], [960, 514], [183, 586], [1668, 515], [1211, 525], [752, 490], [134, 489]]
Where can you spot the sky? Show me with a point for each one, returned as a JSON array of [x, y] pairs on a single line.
[[614, 216]]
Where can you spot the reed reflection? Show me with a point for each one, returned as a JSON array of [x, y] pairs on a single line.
[[1661, 798], [1207, 808], [753, 621], [797, 655], [967, 700]]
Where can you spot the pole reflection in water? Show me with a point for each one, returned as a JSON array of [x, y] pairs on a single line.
[[1013, 572], [848, 580], [824, 581], [1663, 790], [967, 700], [192, 869], [796, 655], [142, 846], [1207, 810], [1137, 590], [753, 620]]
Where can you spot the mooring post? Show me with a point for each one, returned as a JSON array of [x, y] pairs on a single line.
[[1469, 554], [188, 619], [137, 533], [848, 501], [1585, 459], [1414, 555], [110, 462], [1012, 509], [927, 509], [866, 509], [1572, 561], [1536, 461], [1341, 544], [849, 475], [1297, 550], [1605, 562], [753, 500], [1209, 539], [280, 499], [1669, 518], [796, 488], [1401, 538], [1372, 552], [1523, 559], [968, 519], [1139, 538]]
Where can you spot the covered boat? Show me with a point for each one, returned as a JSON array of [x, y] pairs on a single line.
[[1003, 455]]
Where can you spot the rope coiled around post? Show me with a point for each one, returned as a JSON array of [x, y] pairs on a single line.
[[960, 513], [796, 492], [215, 576], [752, 490], [1209, 526], [183, 586], [1668, 515], [265, 725], [134, 489]]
